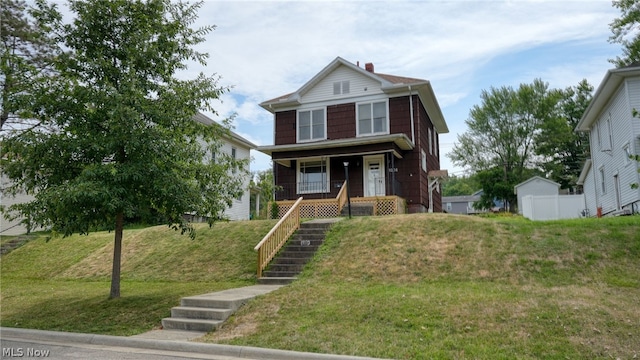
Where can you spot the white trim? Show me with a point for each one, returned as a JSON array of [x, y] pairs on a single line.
[[311, 138], [357, 119], [365, 174], [327, 168]]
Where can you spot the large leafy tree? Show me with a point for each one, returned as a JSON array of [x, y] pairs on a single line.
[[625, 32], [26, 54], [501, 131], [123, 139], [460, 185], [562, 149]]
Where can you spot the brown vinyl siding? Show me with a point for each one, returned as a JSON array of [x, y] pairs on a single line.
[[400, 115], [285, 127], [341, 121]]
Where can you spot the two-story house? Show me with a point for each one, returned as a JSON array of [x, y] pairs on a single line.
[[380, 130], [614, 135]]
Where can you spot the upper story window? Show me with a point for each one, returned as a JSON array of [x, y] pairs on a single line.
[[372, 118], [311, 125], [233, 153], [341, 87]]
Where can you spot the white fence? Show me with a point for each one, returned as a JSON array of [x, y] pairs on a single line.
[[552, 207]]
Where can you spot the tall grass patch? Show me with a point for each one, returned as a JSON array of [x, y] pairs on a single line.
[[441, 286]]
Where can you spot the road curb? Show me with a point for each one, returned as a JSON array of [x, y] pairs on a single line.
[[167, 345]]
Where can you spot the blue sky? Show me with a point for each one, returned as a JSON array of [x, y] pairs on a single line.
[[264, 49]]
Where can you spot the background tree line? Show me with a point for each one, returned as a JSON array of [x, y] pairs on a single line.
[[518, 133]]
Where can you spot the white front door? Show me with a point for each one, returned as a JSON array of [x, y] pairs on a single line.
[[374, 184]]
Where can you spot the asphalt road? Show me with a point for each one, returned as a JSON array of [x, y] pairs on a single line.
[[42, 344], [30, 349]]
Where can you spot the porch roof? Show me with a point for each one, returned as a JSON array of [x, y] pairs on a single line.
[[401, 140]]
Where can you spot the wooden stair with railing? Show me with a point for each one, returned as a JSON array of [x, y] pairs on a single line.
[[278, 236], [293, 257]]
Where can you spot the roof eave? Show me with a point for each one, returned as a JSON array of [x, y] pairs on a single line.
[[608, 86], [403, 142], [428, 98], [584, 172]]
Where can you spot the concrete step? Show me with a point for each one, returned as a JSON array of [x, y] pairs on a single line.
[[294, 248], [286, 267], [358, 210], [270, 273], [230, 301], [305, 242], [284, 261], [206, 312], [295, 254], [200, 313], [190, 324], [276, 280]]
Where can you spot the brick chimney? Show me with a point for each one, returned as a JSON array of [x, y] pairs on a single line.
[[368, 67]]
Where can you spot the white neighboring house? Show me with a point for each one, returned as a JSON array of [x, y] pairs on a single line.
[[235, 145], [535, 186], [239, 148], [614, 135], [12, 227], [586, 180]]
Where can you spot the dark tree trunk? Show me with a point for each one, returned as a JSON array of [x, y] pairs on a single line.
[[117, 252]]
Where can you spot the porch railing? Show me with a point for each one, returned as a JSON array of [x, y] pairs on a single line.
[[269, 246], [321, 189]]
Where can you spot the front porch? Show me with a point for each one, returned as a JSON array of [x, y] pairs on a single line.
[[332, 207]]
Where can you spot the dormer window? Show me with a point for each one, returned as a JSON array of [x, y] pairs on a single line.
[[372, 118], [341, 87], [311, 125]]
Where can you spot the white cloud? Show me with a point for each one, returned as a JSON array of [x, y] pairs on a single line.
[[266, 49], [269, 48]]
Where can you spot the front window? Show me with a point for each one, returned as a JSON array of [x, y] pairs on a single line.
[[313, 176], [372, 118], [311, 125]]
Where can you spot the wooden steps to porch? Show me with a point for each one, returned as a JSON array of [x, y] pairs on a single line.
[[300, 248]]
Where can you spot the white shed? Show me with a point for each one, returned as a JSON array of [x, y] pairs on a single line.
[[535, 186]]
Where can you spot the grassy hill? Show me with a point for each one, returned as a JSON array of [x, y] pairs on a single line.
[[410, 287]]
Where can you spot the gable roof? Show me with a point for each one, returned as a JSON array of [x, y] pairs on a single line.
[[609, 85], [388, 84], [515, 188], [203, 119]]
